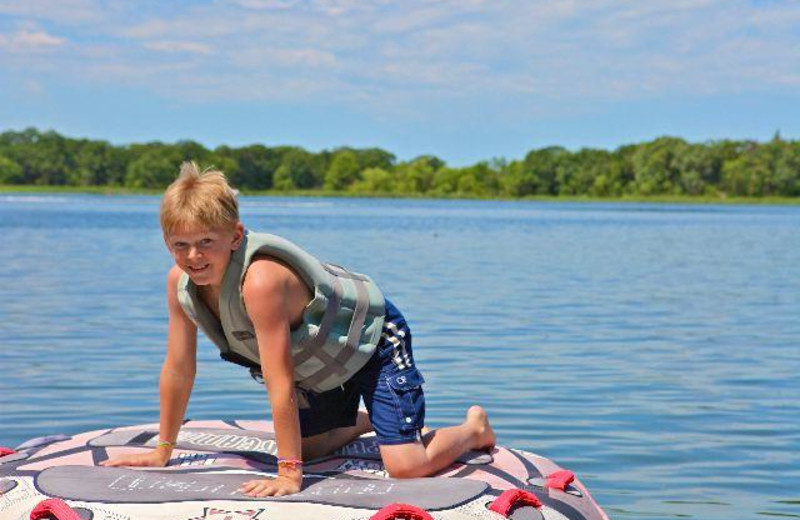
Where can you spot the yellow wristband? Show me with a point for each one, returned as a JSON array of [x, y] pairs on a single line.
[[162, 442]]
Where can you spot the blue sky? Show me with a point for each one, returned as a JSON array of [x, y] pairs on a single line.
[[466, 80]]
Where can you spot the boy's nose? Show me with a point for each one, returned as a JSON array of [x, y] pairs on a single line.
[[194, 252]]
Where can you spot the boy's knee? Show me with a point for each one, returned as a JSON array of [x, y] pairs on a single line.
[[403, 471], [405, 467]]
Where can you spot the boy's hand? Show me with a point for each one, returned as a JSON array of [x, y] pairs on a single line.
[[155, 458], [269, 487]]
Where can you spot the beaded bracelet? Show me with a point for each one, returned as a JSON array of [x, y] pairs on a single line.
[[161, 442], [289, 463]]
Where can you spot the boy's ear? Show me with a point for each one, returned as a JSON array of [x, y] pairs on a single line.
[[238, 236]]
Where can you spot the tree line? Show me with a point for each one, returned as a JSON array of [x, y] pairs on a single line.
[[664, 166]]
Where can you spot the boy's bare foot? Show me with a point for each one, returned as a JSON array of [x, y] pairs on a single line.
[[477, 417]]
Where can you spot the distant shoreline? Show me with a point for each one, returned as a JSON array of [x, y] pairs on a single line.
[[656, 199], [667, 169]]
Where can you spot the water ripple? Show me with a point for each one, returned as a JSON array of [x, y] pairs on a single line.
[[651, 349]]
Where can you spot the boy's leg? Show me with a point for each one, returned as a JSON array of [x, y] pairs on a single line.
[[439, 448], [326, 443], [392, 390]]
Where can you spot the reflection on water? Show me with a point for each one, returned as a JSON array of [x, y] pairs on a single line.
[[651, 349]]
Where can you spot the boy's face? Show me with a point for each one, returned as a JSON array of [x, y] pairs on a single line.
[[202, 253]]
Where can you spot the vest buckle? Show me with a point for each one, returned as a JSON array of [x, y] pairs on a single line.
[[256, 374]]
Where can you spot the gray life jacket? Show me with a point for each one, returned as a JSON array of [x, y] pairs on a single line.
[[341, 324]]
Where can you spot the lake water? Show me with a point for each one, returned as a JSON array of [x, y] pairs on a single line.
[[652, 349]]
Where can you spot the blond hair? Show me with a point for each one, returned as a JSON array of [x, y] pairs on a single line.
[[196, 198]]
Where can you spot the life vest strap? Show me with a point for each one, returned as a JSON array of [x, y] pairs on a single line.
[[313, 347], [338, 270], [240, 360]]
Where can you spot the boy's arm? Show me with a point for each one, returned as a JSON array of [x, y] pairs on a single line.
[[265, 293], [177, 378], [180, 365]]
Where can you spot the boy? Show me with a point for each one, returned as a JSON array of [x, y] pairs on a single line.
[[320, 336]]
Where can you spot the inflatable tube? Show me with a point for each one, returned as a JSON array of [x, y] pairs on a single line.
[[60, 478]]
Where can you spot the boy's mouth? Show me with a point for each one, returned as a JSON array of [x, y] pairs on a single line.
[[198, 269]]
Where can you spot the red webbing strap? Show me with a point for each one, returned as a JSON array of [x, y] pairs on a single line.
[[511, 498], [5, 451], [560, 479], [53, 509], [401, 512]]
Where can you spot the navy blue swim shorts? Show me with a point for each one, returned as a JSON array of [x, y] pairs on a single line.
[[390, 385]]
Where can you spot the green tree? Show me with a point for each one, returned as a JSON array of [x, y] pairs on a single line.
[[416, 176], [445, 182], [256, 165], [577, 173], [700, 166], [298, 170], [666, 165], [537, 174], [545, 168], [225, 164], [479, 180], [343, 171], [10, 172], [744, 176], [44, 157], [655, 166], [784, 179], [770, 169], [515, 182], [611, 181], [191, 151], [374, 181], [375, 158], [155, 167], [98, 163]]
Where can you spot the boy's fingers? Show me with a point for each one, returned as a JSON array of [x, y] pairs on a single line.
[[260, 489], [250, 486], [136, 461], [263, 488]]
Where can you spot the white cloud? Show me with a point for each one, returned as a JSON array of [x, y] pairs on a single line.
[[149, 75], [307, 57], [27, 40], [406, 52], [265, 5], [58, 11], [38, 39], [177, 46], [261, 58]]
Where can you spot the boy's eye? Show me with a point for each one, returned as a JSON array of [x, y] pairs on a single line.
[[179, 245], [206, 242]]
